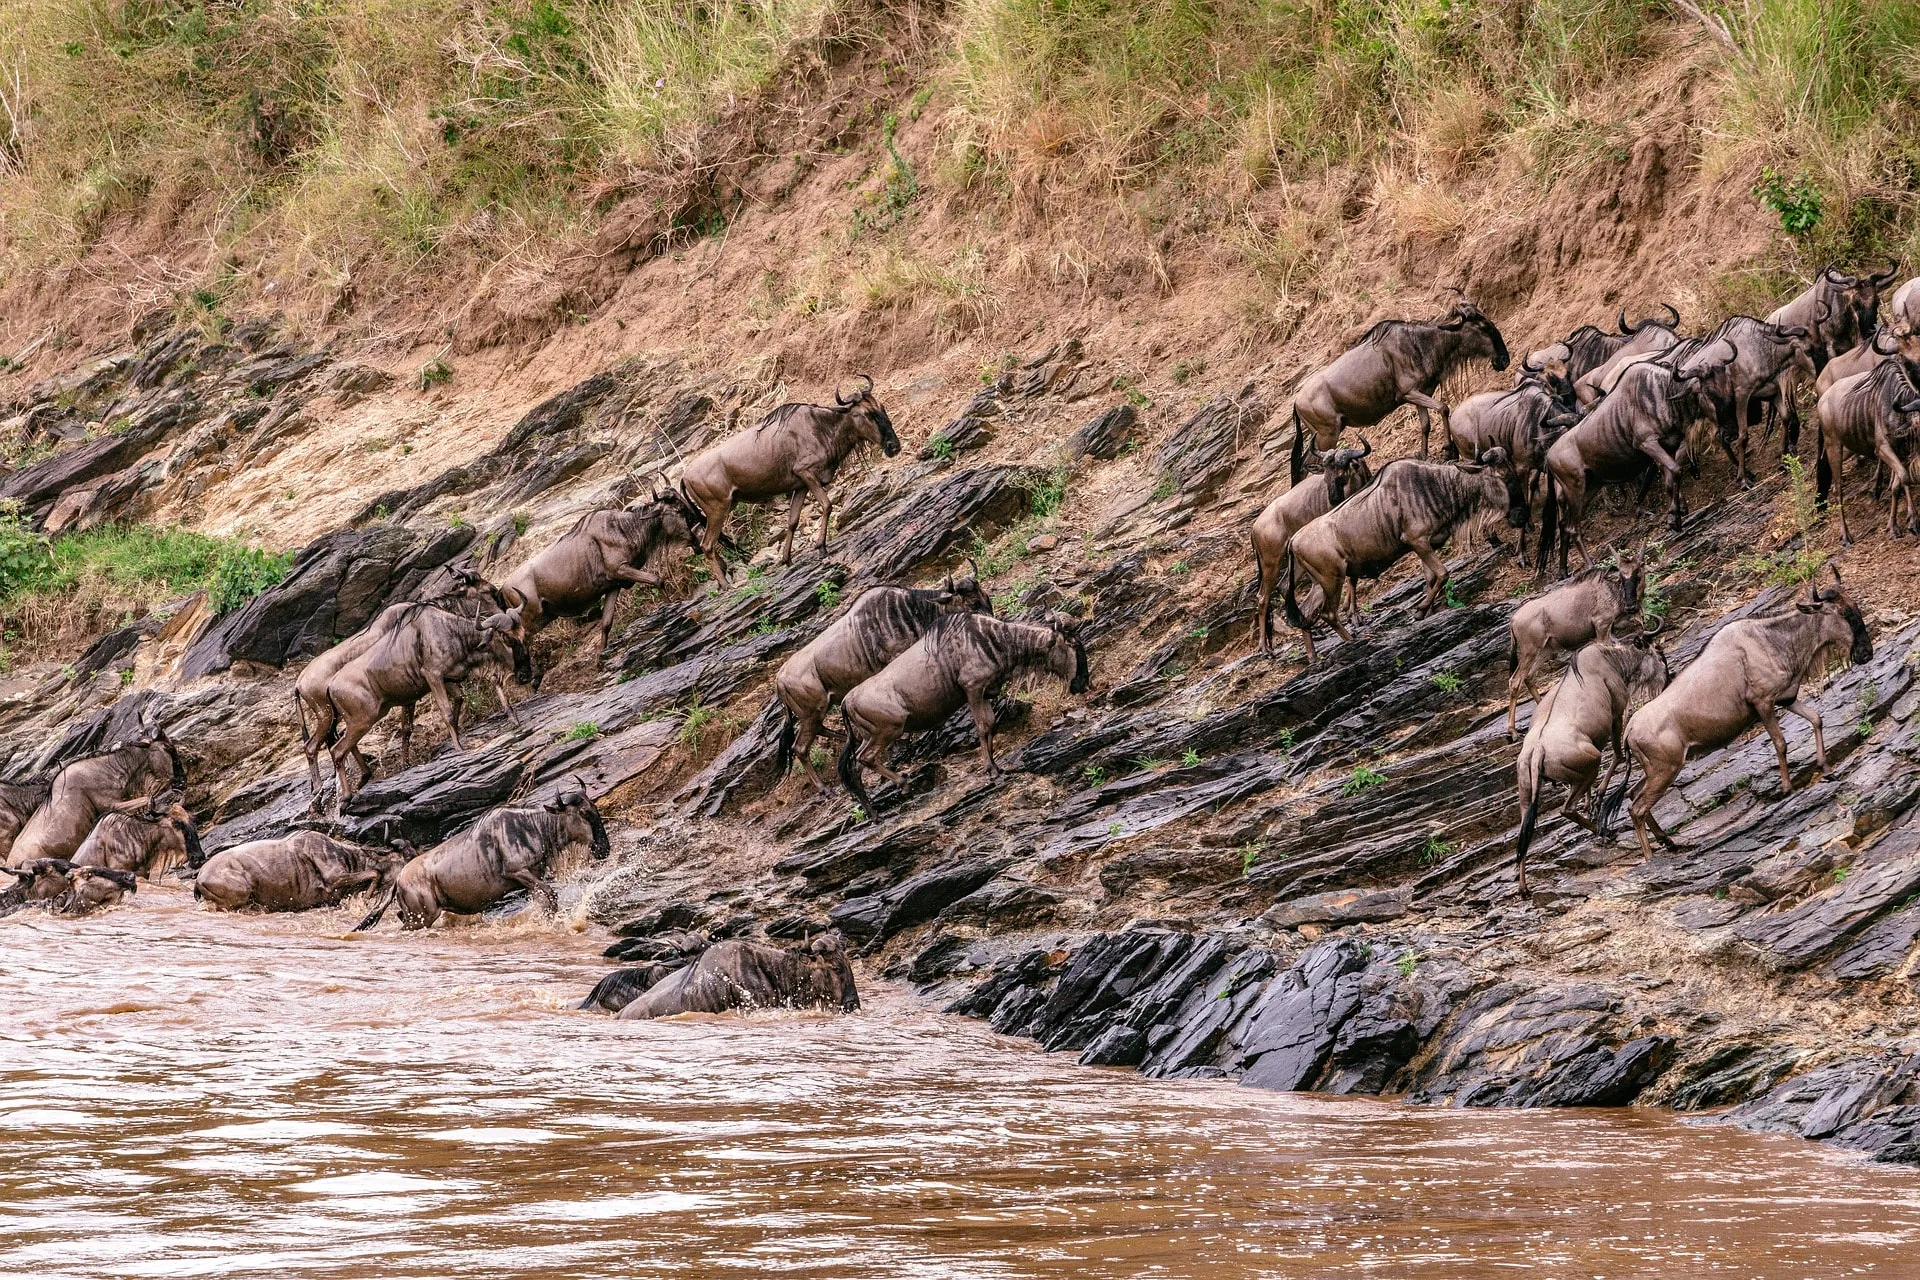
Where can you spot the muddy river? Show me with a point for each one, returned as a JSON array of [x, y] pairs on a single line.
[[188, 1095]]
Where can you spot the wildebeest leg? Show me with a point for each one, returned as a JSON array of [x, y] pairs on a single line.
[[406, 741], [1897, 476], [537, 888], [877, 757], [607, 610], [448, 708], [1657, 775], [796, 502], [1671, 470], [506, 703], [983, 726], [1819, 738], [1436, 573], [1424, 405], [823, 501], [806, 729], [1772, 723], [1837, 461]]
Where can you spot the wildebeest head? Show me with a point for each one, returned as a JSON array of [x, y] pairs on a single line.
[[1702, 375], [1550, 375], [576, 807], [506, 633], [1496, 461], [1483, 337], [1346, 471], [829, 975], [964, 594], [42, 879], [869, 416], [689, 509], [1647, 672], [1067, 654], [1841, 622], [1862, 293]]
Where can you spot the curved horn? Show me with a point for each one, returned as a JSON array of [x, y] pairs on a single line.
[[1621, 322], [1366, 445], [1674, 312], [1874, 342], [1882, 279], [1833, 275], [1527, 365]]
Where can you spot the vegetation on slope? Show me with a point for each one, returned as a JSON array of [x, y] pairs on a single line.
[[345, 147]]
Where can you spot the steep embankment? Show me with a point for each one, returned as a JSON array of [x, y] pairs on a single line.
[[1214, 863]]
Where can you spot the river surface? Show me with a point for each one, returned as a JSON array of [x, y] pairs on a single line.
[[187, 1094]]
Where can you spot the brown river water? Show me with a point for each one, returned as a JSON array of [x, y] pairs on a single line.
[[185, 1094]]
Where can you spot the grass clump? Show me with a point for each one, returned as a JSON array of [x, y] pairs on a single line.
[[1360, 779]]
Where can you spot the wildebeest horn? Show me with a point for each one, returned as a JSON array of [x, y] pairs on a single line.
[[1366, 445], [1621, 322], [1881, 279], [973, 570], [1527, 364], [1875, 343], [1833, 275]]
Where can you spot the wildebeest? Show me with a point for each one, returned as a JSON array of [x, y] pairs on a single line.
[[87, 789], [743, 974], [428, 652], [1872, 414], [1338, 474], [961, 661], [1583, 609], [92, 888], [1647, 338], [795, 451], [1522, 423], [1642, 420], [1576, 722], [1772, 362], [1397, 362], [299, 871], [1751, 669], [880, 626], [1863, 357], [35, 880], [147, 838], [1589, 346], [468, 595], [604, 553], [18, 800], [511, 847], [1839, 309], [1410, 506]]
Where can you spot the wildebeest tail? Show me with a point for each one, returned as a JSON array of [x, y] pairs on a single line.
[[1610, 804], [1530, 813], [373, 917], [1294, 616], [1822, 469], [1298, 468], [850, 770], [300, 714], [1549, 524], [789, 730]]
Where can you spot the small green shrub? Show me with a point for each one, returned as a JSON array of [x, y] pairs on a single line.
[[1095, 775], [942, 448], [1435, 849], [1446, 682], [1189, 758], [1360, 779], [1045, 494], [827, 593], [581, 732], [433, 373], [1796, 201], [1407, 963], [240, 573], [1147, 764], [694, 726]]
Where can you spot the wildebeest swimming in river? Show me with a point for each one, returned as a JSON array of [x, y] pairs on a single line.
[[146, 838], [295, 872], [794, 451], [742, 974], [87, 789]]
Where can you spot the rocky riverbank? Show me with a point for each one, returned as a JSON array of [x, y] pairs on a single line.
[[1215, 864]]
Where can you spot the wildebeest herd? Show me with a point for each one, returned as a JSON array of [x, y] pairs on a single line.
[[1591, 410]]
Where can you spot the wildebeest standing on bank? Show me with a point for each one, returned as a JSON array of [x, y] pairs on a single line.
[[1771, 364], [742, 974], [795, 451], [1751, 669], [1876, 415], [1580, 717], [881, 625], [1838, 308], [1584, 608], [1410, 506], [1642, 422], [1589, 347], [295, 872], [429, 652], [146, 838], [1338, 475], [961, 661], [511, 847], [1397, 362], [604, 553], [87, 789], [470, 596], [1647, 338], [1523, 423]]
